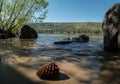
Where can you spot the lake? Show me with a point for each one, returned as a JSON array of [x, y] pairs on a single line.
[[79, 62]]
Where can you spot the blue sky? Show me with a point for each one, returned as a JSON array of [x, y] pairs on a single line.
[[77, 10]]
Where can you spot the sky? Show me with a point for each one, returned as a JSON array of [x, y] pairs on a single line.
[[77, 10]]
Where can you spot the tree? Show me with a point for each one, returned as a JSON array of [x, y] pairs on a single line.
[[15, 13]]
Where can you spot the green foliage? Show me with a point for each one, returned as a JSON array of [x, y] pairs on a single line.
[[19, 12], [69, 28]]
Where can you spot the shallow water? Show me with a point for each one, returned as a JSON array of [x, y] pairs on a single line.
[[82, 62]]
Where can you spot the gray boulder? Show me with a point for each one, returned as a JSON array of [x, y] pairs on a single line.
[[111, 28]]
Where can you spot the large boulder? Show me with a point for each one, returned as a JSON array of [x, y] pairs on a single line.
[[111, 28], [6, 34], [28, 33]]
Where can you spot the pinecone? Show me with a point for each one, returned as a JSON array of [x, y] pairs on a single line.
[[49, 72]]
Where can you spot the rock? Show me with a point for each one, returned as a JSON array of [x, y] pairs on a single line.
[[1, 31], [10, 34], [111, 28], [48, 72], [6, 34], [63, 42], [28, 33], [81, 38]]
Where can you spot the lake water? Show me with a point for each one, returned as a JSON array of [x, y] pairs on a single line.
[[48, 48], [82, 62]]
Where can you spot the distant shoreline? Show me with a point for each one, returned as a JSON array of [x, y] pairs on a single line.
[[68, 27]]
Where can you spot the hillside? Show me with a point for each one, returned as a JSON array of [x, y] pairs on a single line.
[[78, 27]]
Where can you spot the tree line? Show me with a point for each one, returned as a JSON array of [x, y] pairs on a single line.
[[69, 28]]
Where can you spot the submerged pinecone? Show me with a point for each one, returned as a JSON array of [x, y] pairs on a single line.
[[49, 72]]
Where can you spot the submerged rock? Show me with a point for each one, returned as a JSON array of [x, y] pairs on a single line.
[[49, 72], [62, 42]]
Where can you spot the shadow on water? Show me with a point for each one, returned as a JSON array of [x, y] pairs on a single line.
[[8, 75], [110, 68], [98, 66]]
